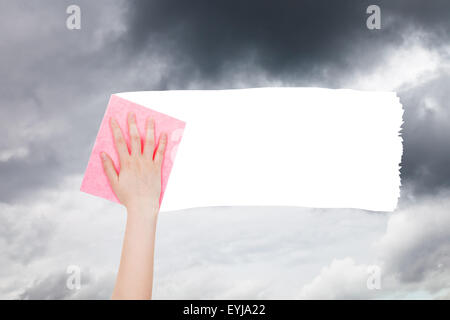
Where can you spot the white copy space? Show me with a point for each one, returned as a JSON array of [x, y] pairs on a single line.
[[307, 147]]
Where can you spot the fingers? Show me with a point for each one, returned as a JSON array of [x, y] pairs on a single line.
[[119, 141], [135, 138], [161, 148], [149, 147], [110, 170]]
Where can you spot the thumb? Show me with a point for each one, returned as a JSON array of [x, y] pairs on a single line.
[[110, 170]]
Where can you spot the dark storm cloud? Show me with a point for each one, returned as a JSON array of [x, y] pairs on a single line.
[[291, 40], [306, 43], [426, 131], [288, 38]]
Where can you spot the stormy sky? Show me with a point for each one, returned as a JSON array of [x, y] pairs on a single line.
[[54, 88]]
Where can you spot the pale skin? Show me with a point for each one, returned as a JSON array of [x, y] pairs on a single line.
[[138, 187]]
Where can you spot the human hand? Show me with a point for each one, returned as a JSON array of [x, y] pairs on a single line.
[[138, 183]]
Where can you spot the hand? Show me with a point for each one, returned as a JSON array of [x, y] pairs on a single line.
[[138, 184]]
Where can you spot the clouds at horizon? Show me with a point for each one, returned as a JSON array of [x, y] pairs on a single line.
[[238, 252]]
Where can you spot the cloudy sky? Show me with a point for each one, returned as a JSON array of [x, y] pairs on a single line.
[[54, 88]]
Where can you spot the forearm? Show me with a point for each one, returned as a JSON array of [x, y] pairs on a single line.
[[138, 187], [135, 276]]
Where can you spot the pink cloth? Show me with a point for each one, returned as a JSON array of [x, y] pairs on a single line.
[[95, 181]]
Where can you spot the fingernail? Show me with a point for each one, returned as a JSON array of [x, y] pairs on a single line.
[[103, 155]]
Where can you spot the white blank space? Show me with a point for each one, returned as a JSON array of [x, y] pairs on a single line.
[[308, 147]]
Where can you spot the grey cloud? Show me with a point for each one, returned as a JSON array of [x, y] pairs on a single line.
[[296, 41], [416, 246], [413, 256], [23, 236], [259, 252], [54, 88], [52, 287], [426, 133]]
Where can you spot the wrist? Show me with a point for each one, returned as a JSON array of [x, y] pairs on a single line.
[[143, 210]]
